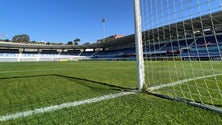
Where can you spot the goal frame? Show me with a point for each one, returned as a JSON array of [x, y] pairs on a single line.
[[141, 66]]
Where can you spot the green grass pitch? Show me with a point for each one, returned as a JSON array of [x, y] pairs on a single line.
[[27, 86]]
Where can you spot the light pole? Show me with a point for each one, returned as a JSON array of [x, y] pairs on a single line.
[[104, 28]]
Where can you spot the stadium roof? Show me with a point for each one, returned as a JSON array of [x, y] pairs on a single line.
[[191, 27]]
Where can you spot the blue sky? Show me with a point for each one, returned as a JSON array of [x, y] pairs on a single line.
[[65, 20]]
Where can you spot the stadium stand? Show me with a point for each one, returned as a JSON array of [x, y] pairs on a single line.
[[71, 52], [200, 45]]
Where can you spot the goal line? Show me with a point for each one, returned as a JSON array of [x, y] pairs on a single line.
[[182, 81], [62, 106]]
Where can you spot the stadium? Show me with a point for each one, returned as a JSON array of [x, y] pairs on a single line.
[[97, 83], [204, 44]]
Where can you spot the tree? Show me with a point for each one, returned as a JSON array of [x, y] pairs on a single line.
[[21, 38], [7, 40], [76, 41], [70, 43]]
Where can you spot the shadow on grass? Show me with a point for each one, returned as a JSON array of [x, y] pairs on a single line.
[[82, 81], [114, 87]]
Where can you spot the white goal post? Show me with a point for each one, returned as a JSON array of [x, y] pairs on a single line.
[[179, 50], [139, 46]]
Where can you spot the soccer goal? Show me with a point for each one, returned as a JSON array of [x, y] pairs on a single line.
[[181, 44]]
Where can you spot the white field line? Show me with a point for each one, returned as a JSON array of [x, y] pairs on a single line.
[[61, 106], [181, 82]]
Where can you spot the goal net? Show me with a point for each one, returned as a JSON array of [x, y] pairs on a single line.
[[182, 48]]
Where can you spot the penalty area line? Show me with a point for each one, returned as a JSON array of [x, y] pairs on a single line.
[[61, 106]]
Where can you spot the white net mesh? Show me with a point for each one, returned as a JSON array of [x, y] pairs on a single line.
[[182, 48]]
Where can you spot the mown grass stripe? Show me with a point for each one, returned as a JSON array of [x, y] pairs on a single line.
[[40, 70]]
